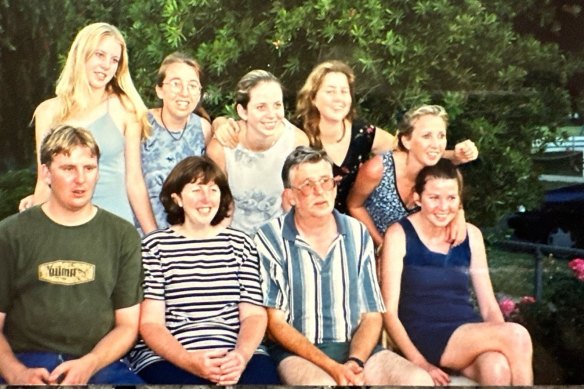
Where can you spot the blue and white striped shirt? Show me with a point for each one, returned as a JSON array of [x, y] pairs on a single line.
[[202, 282], [323, 298]]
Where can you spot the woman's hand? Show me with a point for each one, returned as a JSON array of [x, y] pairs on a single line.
[[456, 230], [438, 375], [226, 131], [26, 203], [465, 151]]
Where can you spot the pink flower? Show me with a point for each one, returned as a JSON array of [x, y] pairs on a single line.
[[577, 266], [527, 300], [507, 306]]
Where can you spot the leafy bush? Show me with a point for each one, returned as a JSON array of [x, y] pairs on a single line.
[[14, 185]]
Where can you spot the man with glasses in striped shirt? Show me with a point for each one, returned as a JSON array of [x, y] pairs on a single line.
[[319, 284]]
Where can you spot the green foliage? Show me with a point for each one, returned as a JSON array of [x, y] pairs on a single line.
[[467, 55], [14, 185]]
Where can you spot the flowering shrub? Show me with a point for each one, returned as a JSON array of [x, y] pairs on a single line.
[[511, 307], [577, 266]]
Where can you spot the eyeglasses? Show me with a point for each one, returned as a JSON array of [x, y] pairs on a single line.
[[309, 186], [176, 86]]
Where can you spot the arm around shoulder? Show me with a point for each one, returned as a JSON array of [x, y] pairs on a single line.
[[217, 154]]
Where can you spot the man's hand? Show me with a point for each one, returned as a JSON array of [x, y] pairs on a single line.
[[26, 203], [30, 376], [347, 374], [74, 372], [465, 151]]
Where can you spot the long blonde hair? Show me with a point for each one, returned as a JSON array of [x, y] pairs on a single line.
[[306, 111], [73, 89]]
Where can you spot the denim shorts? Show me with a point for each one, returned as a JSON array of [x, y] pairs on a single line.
[[116, 373]]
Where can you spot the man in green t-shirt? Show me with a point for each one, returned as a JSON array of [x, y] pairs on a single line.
[[70, 277]]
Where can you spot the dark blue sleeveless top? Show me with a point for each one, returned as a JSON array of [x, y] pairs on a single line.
[[435, 293]]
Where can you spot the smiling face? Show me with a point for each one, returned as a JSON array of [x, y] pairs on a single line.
[[180, 91], [72, 179], [200, 203], [439, 201], [333, 98], [427, 141], [320, 201], [265, 109], [102, 64]]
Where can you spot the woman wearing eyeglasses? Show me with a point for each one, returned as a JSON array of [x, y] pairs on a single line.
[[177, 132], [265, 139]]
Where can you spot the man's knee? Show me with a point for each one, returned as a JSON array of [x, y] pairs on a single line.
[[298, 371], [388, 368]]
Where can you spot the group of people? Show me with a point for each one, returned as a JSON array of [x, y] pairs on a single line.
[[271, 252]]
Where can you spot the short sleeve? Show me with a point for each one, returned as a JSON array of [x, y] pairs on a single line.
[[128, 290], [371, 300], [153, 272], [249, 275], [274, 283]]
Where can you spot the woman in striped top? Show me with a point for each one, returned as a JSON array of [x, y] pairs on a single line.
[[202, 318]]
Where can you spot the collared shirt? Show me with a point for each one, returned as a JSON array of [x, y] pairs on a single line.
[[323, 298]]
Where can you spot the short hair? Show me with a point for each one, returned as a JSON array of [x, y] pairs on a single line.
[[306, 111], [406, 126], [187, 171], [249, 81], [176, 57], [62, 140], [300, 155], [444, 169]]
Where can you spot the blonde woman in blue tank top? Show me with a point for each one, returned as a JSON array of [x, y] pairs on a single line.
[[265, 139], [95, 91]]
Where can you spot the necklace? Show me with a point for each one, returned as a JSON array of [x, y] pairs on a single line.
[[344, 131], [176, 139]]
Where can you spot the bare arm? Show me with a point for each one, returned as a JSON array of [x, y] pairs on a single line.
[[479, 273], [383, 141], [366, 337], [465, 151], [42, 124], [391, 273], [368, 178], [12, 370], [153, 330], [135, 185], [226, 131], [109, 349], [216, 153]]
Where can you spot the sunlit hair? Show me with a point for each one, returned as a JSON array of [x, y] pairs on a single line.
[[178, 57], [300, 155], [73, 90], [406, 126], [444, 169], [250, 81], [190, 170], [63, 139], [306, 112]]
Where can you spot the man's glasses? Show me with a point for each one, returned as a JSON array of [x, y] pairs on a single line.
[[176, 86], [309, 186]]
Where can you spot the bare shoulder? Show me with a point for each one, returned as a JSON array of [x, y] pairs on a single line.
[[474, 233], [373, 168], [394, 233], [120, 106], [300, 137], [47, 108]]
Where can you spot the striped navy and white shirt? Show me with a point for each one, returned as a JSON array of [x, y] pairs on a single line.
[[323, 298], [201, 282]]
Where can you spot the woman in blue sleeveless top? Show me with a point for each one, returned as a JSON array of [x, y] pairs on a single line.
[[177, 132], [426, 289], [95, 91]]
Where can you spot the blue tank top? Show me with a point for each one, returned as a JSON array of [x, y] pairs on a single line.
[[110, 191], [384, 204], [162, 151]]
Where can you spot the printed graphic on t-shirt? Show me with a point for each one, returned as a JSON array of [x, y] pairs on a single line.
[[64, 272]]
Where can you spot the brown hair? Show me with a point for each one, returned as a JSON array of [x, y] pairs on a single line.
[[306, 112], [187, 171]]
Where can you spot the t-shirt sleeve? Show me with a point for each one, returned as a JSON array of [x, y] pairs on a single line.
[[249, 275], [128, 290], [274, 283], [153, 273], [371, 300], [5, 271]]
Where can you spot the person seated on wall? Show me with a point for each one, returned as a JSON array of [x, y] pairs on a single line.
[[425, 287], [70, 277], [319, 283], [203, 317]]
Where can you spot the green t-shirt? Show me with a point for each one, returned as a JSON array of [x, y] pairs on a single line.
[[60, 285]]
